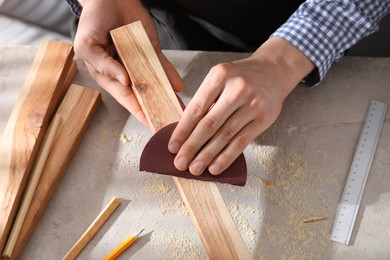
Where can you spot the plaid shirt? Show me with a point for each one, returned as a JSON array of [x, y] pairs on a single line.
[[323, 29]]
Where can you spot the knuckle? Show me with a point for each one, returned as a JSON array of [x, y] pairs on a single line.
[[207, 155], [242, 141], [240, 89], [210, 124], [195, 110], [226, 158], [81, 45], [101, 67], [189, 149], [258, 103], [180, 134], [220, 71], [227, 133]]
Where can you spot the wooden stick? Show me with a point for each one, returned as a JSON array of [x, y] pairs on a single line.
[[93, 228], [209, 213], [77, 110], [40, 96], [32, 184]]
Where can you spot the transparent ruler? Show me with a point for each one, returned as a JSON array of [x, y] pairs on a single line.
[[357, 177]]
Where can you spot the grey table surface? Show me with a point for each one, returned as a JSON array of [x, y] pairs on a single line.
[[305, 155]]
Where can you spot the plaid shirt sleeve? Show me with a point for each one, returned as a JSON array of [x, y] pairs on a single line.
[[324, 30], [75, 6]]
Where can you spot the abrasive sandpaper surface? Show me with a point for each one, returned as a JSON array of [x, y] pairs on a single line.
[[156, 158]]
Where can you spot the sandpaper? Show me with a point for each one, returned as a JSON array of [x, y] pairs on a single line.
[[156, 158]]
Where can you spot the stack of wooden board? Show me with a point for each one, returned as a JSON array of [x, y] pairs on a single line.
[[45, 94]]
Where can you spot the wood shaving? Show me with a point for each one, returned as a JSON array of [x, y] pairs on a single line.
[[265, 182], [313, 219]]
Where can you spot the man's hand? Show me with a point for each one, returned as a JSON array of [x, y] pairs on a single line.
[[235, 103], [93, 45]]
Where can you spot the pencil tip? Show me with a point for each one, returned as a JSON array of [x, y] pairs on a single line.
[[140, 232]]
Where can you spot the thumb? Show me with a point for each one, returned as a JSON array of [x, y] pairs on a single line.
[[100, 60]]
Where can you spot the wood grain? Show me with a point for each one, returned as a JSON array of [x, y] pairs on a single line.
[[40, 96], [209, 213], [77, 109], [32, 184], [92, 229], [149, 81]]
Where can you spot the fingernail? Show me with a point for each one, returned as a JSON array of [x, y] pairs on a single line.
[[173, 147], [215, 169], [182, 163], [197, 168], [121, 79]]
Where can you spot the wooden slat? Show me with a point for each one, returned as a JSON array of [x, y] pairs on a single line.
[[149, 82], [32, 185], [209, 213], [77, 109], [39, 97], [92, 229]]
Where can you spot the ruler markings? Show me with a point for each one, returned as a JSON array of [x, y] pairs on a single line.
[[358, 174]]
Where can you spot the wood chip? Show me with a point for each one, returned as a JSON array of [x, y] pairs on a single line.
[[265, 182], [313, 219]]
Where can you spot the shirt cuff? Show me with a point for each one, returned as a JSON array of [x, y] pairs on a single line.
[[313, 43], [324, 30]]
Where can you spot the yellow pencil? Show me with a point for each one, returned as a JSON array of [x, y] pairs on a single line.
[[122, 247]]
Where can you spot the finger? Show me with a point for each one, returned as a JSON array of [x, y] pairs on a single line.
[[236, 147], [123, 94], [221, 139], [103, 62], [206, 129], [207, 94]]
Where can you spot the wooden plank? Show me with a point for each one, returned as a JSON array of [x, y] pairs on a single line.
[[209, 213], [92, 229], [77, 109], [39, 98], [32, 184]]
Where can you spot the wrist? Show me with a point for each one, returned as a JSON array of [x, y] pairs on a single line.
[[288, 64]]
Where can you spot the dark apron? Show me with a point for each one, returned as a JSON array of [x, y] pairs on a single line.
[[218, 25]]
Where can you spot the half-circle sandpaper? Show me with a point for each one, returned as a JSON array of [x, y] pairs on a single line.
[[156, 158]]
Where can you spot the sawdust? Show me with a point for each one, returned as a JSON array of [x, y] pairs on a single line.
[[103, 138], [183, 248], [122, 137], [133, 140], [285, 174], [157, 186], [289, 174], [243, 215], [173, 244], [130, 157], [166, 195]]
